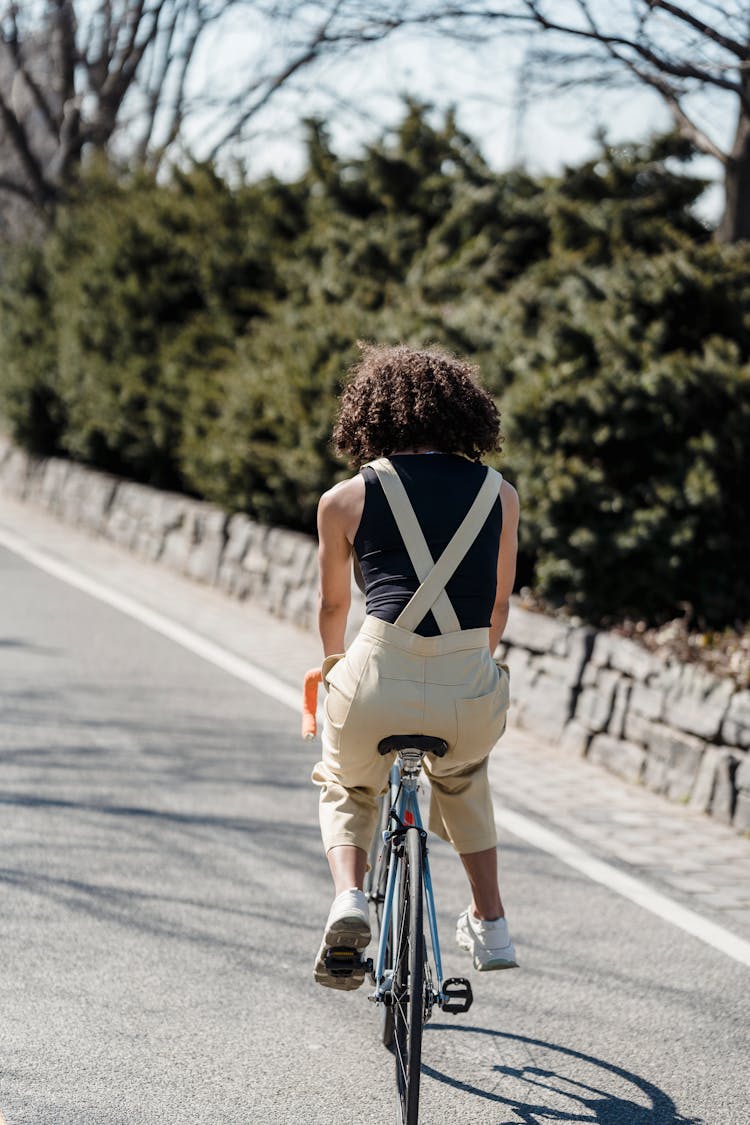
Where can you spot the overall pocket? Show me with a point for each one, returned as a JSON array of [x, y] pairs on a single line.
[[481, 721], [328, 665], [342, 673]]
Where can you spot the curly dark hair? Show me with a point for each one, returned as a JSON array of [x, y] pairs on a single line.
[[399, 397]]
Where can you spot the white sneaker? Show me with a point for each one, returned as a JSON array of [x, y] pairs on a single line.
[[488, 942], [348, 927]]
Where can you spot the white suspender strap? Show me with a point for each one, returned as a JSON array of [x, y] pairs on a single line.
[[415, 543], [431, 594], [452, 556]]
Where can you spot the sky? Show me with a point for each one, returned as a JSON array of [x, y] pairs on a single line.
[[362, 94]]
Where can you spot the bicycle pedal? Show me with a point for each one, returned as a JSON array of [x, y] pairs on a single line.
[[457, 995], [344, 961]]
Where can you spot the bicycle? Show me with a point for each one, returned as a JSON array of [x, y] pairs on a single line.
[[400, 887]]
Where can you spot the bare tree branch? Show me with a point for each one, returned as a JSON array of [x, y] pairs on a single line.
[[156, 80], [16, 187], [66, 22], [71, 141], [660, 62], [661, 45], [177, 113], [725, 41], [306, 56], [100, 72], [687, 127], [121, 74], [31, 165], [275, 84], [12, 43]]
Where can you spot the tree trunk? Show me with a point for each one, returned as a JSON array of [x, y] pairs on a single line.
[[735, 222]]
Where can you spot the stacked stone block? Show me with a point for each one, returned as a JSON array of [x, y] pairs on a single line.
[[677, 729]]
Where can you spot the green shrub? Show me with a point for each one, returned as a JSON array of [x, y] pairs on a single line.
[[347, 275], [628, 434], [194, 334], [151, 285], [266, 447], [30, 399]]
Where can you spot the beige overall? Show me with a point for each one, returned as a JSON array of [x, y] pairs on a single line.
[[393, 681]]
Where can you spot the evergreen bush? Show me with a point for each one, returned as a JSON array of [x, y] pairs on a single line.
[[30, 400], [628, 436], [151, 284], [195, 335]]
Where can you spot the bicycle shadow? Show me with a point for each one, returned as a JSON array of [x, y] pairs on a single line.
[[568, 1086]]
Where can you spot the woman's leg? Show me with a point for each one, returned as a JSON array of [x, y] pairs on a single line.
[[348, 865], [481, 929], [481, 869]]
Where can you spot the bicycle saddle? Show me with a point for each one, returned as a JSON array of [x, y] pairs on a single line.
[[424, 742]]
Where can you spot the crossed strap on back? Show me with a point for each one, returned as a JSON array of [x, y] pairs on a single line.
[[432, 575]]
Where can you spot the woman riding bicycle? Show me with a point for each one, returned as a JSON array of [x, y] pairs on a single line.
[[419, 665]]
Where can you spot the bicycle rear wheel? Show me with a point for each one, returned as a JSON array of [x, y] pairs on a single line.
[[376, 877], [375, 884], [408, 980]]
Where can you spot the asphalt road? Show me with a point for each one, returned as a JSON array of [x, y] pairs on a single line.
[[162, 891]]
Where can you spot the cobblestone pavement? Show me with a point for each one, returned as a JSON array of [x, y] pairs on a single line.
[[696, 860]]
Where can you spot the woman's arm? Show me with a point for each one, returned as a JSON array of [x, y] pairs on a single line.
[[506, 563], [334, 565]]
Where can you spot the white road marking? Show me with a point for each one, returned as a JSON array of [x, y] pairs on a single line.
[[236, 666], [522, 826], [623, 884]]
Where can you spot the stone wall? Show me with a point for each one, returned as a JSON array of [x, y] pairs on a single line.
[[275, 568], [675, 728]]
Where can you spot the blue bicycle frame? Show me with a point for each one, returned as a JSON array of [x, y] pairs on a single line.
[[403, 788]]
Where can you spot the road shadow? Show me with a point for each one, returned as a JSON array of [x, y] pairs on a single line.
[[539, 1082], [29, 646]]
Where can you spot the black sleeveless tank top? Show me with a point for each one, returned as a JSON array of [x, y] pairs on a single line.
[[441, 488]]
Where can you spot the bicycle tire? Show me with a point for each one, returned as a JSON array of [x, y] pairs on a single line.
[[408, 980], [374, 886], [386, 1012], [376, 877]]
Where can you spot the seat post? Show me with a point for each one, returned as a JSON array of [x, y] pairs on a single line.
[[410, 764]]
